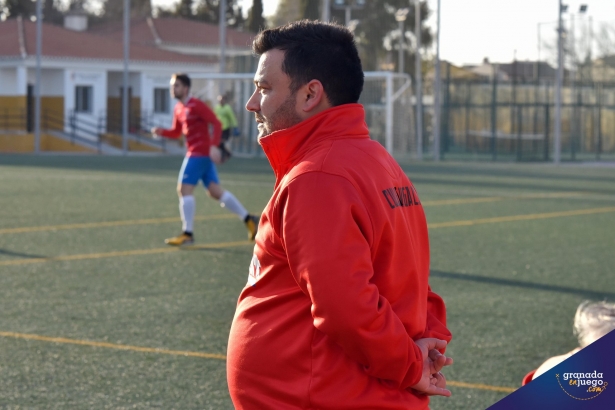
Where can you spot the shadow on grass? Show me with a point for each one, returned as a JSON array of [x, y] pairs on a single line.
[[536, 185], [516, 170], [129, 164], [590, 294], [19, 254]]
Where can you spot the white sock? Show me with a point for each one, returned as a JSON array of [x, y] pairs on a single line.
[[187, 206], [228, 201]]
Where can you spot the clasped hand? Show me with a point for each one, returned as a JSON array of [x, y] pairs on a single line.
[[433, 382]]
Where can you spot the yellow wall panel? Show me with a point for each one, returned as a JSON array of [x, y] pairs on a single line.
[[116, 141], [51, 143], [11, 143], [21, 143], [52, 109], [12, 103]]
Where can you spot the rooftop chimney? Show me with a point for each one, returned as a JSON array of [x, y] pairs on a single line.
[[76, 20]]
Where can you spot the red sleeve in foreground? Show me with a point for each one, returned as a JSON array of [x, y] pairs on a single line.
[[436, 319], [326, 230]]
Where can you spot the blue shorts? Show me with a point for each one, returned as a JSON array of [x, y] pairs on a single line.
[[198, 168]]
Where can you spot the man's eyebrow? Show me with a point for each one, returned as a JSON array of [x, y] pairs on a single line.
[[260, 81]]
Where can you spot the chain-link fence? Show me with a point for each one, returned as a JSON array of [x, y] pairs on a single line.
[[386, 97], [515, 121]]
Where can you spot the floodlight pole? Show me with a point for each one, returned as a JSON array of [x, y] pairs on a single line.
[[400, 16], [37, 86], [222, 35], [436, 93], [557, 138], [348, 6], [418, 81], [326, 10], [400, 52], [125, 101]]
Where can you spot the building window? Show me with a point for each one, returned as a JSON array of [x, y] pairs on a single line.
[[161, 100], [83, 98]]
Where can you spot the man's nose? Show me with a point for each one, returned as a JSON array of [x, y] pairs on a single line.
[[253, 104]]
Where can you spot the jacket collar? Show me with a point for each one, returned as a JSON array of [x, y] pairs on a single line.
[[286, 147]]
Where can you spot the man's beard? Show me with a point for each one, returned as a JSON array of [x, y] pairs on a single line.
[[284, 117]]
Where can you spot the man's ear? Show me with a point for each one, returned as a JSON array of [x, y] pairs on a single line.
[[313, 98]]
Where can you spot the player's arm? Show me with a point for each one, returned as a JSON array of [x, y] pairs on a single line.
[[327, 238], [174, 132]]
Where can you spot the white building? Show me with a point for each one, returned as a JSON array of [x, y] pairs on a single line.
[[82, 71]]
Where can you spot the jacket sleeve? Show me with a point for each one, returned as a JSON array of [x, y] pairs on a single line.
[[436, 318], [176, 129], [327, 232], [210, 118]]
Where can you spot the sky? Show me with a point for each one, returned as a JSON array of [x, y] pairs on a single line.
[[498, 29]]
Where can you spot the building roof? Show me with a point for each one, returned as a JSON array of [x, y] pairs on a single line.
[[456, 72], [18, 39], [524, 70], [175, 31], [528, 69], [608, 60]]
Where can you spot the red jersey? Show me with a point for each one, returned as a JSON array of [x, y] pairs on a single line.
[[338, 285], [192, 120]]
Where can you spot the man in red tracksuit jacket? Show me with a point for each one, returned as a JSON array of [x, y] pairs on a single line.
[[337, 312]]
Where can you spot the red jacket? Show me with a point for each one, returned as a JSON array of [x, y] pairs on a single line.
[[338, 284], [192, 120]]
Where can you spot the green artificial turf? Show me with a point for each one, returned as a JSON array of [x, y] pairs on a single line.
[[511, 287]]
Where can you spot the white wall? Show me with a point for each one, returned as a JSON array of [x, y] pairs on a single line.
[[13, 81], [97, 79], [52, 82], [150, 81]]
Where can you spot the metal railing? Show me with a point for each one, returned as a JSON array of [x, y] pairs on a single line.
[[14, 119], [139, 128], [84, 130]]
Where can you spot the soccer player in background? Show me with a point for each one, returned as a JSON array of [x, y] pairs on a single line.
[[192, 118], [337, 312], [226, 116]]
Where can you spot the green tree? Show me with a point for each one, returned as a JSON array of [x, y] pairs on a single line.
[[114, 9], [207, 11], [310, 9], [376, 23], [52, 10], [14, 8], [256, 21], [183, 8], [287, 11]]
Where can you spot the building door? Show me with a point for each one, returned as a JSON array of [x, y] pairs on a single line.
[[30, 108], [130, 114]]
